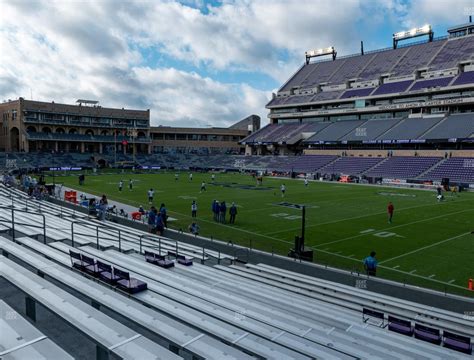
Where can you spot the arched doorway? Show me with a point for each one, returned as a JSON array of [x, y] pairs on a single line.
[[15, 139]]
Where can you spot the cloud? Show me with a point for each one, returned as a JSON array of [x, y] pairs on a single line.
[[162, 54]]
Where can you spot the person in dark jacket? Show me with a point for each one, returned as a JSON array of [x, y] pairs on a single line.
[[232, 213], [222, 212]]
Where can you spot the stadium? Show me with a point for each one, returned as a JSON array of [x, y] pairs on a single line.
[[342, 228]]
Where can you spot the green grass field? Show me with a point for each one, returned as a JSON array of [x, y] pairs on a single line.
[[428, 244]]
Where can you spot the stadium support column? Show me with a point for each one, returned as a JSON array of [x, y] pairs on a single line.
[[101, 148], [83, 148], [56, 146]]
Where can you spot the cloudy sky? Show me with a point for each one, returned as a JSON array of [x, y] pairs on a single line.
[[192, 62]]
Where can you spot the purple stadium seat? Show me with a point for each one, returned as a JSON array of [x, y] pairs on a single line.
[[457, 342], [428, 334], [157, 259], [181, 258], [400, 326], [76, 260], [106, 273], [89, 265], [129, 284]]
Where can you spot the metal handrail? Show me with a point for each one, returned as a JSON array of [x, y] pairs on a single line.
[[12, 221], [97, 228]]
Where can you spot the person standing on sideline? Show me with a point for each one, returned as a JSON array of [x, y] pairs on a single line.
[[151, 193], [194, 209], [215, 209], [203, 187], [232, 213], [164, 215], [282, 189], [120, 185], [370, 264], [390, 209], [190, 176], [222, 211], [130, 184]]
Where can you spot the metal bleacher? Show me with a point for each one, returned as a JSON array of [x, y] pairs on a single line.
[[21, 340], [199, 311], [110, 335]]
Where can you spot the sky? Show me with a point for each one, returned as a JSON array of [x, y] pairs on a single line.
[[192, 62]]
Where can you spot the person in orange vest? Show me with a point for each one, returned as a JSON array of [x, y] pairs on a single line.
[[390, 209]]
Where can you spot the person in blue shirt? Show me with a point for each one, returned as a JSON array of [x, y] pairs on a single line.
[[215, 209], [370, 264], [233, 213], [164, 215]]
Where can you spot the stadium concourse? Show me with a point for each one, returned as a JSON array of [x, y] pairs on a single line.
[[58, 269]]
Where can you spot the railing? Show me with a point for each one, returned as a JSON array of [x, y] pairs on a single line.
[[13, 222], [97, 229]]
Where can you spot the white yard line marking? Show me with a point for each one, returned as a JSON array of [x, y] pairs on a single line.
[[426, 247], [395, 227], [362, 216], [396, 267], [432, 276], [412, 272], [451, 281]]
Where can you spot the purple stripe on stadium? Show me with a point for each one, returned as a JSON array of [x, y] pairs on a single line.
[[395, 87], [465, 78], [357, 93], [431, 83]]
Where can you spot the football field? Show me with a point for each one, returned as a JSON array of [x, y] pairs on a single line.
[[429, 243]]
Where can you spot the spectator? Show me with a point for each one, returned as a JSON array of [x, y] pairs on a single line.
[[141, 210], [152, 220], [222, 212], [92, 208], [123, 213], [370, 264], [103, 205], [160, 227], [194, 228], [194, 209], [232, 213]]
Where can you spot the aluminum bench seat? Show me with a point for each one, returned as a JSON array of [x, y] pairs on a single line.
[[107, 332], [188, 339], [253, 318], [21, 340], [437, 317]]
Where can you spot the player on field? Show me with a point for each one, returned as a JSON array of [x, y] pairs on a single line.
[[194, 209], [213, 177], [190, 176], [203, 187], [130, 184], [120, 185], [282, 189], [390, 209], [176, 177], [306, 182], [151, 193]]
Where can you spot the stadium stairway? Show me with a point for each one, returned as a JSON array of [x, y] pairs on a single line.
[[431, 168]]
